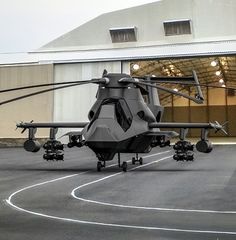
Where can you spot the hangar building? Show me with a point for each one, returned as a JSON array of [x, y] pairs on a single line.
[[168, 37]]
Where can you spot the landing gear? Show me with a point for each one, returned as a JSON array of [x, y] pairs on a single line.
[[100, 165], [184, 151], [124, 166], [137, 159]]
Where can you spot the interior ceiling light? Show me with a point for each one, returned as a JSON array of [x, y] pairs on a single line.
[[218, 73], [176, 89], [221, 80], [214, 63], [223, 85], [136, 66]]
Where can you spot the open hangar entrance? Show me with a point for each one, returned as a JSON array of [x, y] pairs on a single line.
[[219, 104]]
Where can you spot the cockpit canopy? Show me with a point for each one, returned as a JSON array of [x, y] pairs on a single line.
[[116, 109]]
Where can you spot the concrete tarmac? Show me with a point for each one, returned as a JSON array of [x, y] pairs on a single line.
[[161, 199]]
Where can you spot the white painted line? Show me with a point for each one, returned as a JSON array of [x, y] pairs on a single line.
[[69, 176], [40, 184], [141, 207], [119, 173], [118, 225], [224, 143], [151, 208], [9, 201], [112, 175]]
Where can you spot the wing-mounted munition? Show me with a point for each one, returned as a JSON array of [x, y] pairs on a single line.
[[120, 121]]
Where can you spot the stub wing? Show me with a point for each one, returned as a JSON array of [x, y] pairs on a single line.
[[167, 134], [183, 149], [26, 125], [215, 125]]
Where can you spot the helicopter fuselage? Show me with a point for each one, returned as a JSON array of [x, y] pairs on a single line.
[[119, 120]]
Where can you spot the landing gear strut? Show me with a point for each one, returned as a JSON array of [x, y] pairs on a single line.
[[124, 165], [100, 165], [137, 159]]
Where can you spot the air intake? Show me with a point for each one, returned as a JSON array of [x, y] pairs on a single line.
[[177, 27], [126, 34]]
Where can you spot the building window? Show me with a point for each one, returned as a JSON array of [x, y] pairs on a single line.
[[177, 27], [119, 35]]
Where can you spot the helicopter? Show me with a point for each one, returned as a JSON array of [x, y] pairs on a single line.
[[121, 121]]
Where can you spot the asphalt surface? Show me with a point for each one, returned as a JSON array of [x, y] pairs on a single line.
[[162, 199]]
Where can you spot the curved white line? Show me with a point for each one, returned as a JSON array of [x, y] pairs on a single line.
[[119, 225], [9, 201], [141, 207], [151, 208]]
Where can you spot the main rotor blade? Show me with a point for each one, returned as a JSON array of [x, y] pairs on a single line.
[[37, 93], [51, 84], [195, 99], [183, 82], [138, 82], [164, 79]]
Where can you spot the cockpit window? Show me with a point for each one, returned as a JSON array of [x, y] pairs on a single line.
[[116, 109], [123, 114]]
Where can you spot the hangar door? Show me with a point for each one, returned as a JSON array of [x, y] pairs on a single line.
[[220, 102], [73, 104]]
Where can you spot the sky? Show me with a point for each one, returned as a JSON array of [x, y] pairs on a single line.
[[27, 25]]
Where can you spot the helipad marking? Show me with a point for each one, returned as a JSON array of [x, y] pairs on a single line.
[[9, 201], [118, 225], [150, 208], [140, 207], [65, 177]]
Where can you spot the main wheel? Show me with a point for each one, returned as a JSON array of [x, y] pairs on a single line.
[[124, 166], [99, 166], [141, 161], [133, 160]]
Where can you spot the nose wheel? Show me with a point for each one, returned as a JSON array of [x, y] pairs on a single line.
[[137, 159], [124, 166], [100, 165]]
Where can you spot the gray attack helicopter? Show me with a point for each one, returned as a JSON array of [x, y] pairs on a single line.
[[120, 121]]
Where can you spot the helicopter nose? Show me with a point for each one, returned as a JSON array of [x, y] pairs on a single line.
[[102, 132]]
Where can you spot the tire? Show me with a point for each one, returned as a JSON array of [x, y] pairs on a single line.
[[124, 166], [99, 166]]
